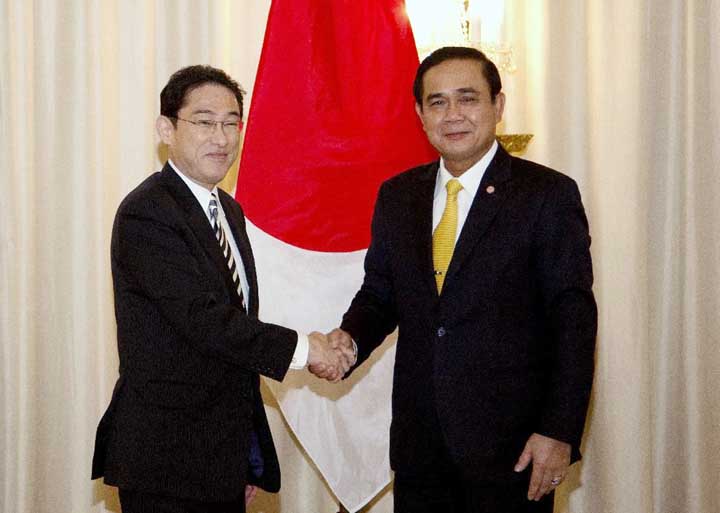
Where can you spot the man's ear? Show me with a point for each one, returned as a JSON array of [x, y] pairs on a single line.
[[419, 112], [165, 129], [499, 107]]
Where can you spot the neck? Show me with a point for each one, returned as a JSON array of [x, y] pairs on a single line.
[[457, 167]]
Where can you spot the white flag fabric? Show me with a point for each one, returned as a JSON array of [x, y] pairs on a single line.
[[344, 427], [332, 116]]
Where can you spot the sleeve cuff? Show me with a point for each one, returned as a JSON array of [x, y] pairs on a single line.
[[299, 359]]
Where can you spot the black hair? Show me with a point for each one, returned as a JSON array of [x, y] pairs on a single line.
[[185, 80], [446, 53]]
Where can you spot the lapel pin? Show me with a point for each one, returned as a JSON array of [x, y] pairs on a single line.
[[490, 189]]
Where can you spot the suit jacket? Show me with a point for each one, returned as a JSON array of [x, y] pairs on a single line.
[[187, 398], [507, 349]]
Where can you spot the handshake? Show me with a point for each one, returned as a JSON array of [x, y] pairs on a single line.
[[331, 356]]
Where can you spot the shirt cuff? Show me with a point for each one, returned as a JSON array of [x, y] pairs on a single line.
[[300, 357]]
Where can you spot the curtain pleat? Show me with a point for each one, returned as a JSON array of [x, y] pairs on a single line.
[[622, 96]]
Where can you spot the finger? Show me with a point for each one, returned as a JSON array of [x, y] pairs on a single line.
[[322, 371], [557, 474], [545, 486], [345, 345], [342, 361], [340, 375], [330, 373], [318, 368], [345, 361], [556, 480], [316, 347], [250, 492], [333, 359], [333, 378], [348, 353], [344, 340], [336, 338], [524, 459], [536, 480], [320, 337]]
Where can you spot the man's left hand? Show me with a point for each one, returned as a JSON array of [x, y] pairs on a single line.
[[250, 492], [550, 460]]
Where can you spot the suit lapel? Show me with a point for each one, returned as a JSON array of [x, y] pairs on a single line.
[[235, 218], [491, 194], [420, 214], [198, 222]]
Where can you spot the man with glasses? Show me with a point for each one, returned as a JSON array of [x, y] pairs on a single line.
[[186, 430]]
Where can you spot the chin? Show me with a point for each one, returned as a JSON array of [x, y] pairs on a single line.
[[219, 169]]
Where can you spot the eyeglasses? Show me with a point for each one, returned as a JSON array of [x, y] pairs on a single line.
[[207, 126]]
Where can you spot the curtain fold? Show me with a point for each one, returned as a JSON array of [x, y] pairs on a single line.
[[622, 96], [684, 252]]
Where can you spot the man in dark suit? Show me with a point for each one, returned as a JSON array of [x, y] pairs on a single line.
[[186, 430], [482, 260]]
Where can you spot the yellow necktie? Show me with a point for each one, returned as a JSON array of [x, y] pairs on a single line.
[[444, 236]]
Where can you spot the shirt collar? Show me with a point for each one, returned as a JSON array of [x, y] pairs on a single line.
[[470, 179], [200, 192]]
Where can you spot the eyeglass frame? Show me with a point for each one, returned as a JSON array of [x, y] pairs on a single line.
[[209, 126]]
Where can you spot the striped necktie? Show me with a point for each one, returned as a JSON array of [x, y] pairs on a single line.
[[444, 236], [225, 246]]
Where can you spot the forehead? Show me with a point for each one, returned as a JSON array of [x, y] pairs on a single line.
[[454, 74], [213, 98]]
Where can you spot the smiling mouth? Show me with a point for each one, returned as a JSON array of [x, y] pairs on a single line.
[[455, 135], [217, 156]]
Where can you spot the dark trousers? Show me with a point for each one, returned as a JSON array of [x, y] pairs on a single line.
[[449, 494], [440, 487], [141, 502]]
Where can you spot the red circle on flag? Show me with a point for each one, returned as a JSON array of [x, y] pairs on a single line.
[[332, 117]]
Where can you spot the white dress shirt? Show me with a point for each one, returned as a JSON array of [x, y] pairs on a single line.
[[203, 196], [470, 180]]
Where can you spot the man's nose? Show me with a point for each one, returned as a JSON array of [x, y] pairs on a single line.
[[453, 112], [218, 133]]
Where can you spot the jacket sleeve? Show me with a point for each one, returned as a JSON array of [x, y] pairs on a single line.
[[564, 270], [160, 269], [372, 313]]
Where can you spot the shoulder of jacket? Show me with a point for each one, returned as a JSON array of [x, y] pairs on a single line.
[[412, 175], [532, 170]]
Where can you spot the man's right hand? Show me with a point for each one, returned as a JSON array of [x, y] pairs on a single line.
[[340, 340], [331, 356]]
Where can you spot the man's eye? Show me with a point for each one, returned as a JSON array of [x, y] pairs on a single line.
[[232, 124], [468, 99], [205, 123], [436, 103]]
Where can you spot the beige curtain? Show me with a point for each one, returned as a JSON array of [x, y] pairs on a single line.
[[623, 96]]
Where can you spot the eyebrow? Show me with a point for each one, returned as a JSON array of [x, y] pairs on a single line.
[[433, 96], [207, 111], [461, 90]]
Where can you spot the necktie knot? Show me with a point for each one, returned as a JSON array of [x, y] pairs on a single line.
[[453, 187], [213, 207]]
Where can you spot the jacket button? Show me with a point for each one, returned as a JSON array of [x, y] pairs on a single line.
[[441, 332]]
